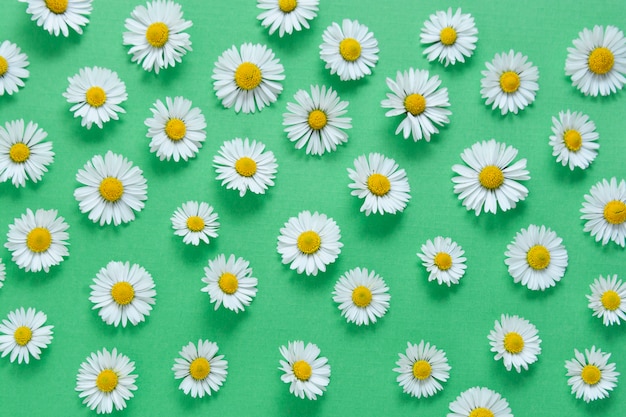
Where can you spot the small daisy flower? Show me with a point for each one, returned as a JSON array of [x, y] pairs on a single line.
[[451, 37], [56, 15], [574, 140], [378, 181], [309, 242], [286, 15], [419, 98], [23, 155], [591, 376], [306, 372], [113, 189], [315, 120], [480, 402], [202, 371], [490, 180], [96, 94], [510, 82], [23, 335], [38, 240], [248, 78], [444, 260], [604, 209], [13, 63], [195, 221], [245, 166], [422, 370], [597, 62], [515, 341], [3, 273], [608, 300], [362, 295], [105, 379], [230, 282], [349, 50]]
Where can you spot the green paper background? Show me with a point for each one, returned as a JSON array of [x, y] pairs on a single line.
[[293, 307]]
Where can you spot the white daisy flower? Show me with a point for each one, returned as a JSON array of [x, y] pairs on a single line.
[[245, 166], [419, 98], [105, 379], [451, 37], [248, 78], [23, 335], [591, 376], [574, 140], [286, 15], [309, 242], [608, 299], [306, 372], [230, 282], [38, 240], [362, 295], [597, 62], [422, 370], [202, 371], [13, 63], [56, 15], [378, 181], [113, 189], [604, 209], [96, 94], [3, 273], [480, 402], [195, 222], [23, 155], [510, 82], [123, 293], [349, 50], [444, 260], [156, 35], [515, 340], [315, 120], [490, 180]]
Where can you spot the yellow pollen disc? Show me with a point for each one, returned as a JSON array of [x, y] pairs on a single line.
[[4, 66], [38, 239], [95, 96], [509, 82], [199, 369], [309, 242], [122, 293], [57, 6], [361, 296], [106, 380], [22, 335], [538, 257], [228, 283], [611, 300], [615, 212], [572, 139], [443, 261], [287, 6], [591, 375], [195, 223], [245, 166], [317, 120], [491, 177], [415, 104], [447, 36], [175, 129], [421, 370], [481, 412], [19, 153], [378, 184], [513, 342], [157, 34], [601, 60], [111, 189], [302, 370], [350, 49], [248, 76]]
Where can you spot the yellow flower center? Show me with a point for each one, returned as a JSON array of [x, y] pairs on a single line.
[[591, 375], [378, 184], [245, 166], [287, 6], [447, 36], [491, 177], [199, 369], [611, 300], [573, 140], [513, 342], [4, 66], [421, 370], [111, 189], [57, 6], [228, 283], [248, 76], [309, 242], [39, 239], [22, 335], [481, 412], [361, 296], [350, 49], [415, 104], [317, 120], [122, 293], [106, 380], [157, 34], [95, 96], [302, 370], [175, 129], [443, 261], [538, 257], [19, 153], [509, 82], [615, 212], [195, 223], [601, 60]]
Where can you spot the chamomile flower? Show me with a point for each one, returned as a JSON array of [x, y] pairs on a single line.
[[245, 166], [510, 82], [56, 15], [230, 282], [608, 299], [362, 295], [604, 210], [480, 402], [315, 120], [13, 63], [597, 62], [515, 340], [38, 240], [591, 376], [380, 183], [156, 35], [309, 242], [349, 50], [444, 260], [23, 154], [418, 98], [105, 380], [201, 369], [306, 372], [113, 189], [490, 180], [23, 335], [422, 370], [195, 222], [3, 273], [248, 78], [96, 94], [286, 15], [451, 37], [574, 140]]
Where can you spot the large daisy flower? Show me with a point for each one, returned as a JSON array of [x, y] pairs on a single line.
[[201, 369], [23, 155], [315, 120], [38, 240], [248, 78], [480, 402], [591, 376], [451, 37], [194, 222], [515, 340], [574, 140], [112, 189], [422, 370], [56, 15], [490, 180], [604, 209], [362, 295], [23, 335], [608, 299], [306, 372], [597, 62], [444, 260], [349, 50], [13, 63], [230, 282], [286, 15]]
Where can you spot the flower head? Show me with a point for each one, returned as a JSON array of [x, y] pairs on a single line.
[[13, 63], [422, 370], [306, 372], [362, 295], [195, 221], [592, 377], [56, 16], [604, 210], [608, 299], [515, 340], [23, 335], [480, 402], [230, 282], [452, 37], [201, 369], [286, 15], [444, 260], [574, 141]]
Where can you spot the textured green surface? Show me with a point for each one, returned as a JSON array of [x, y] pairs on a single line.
[[288, 306]]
